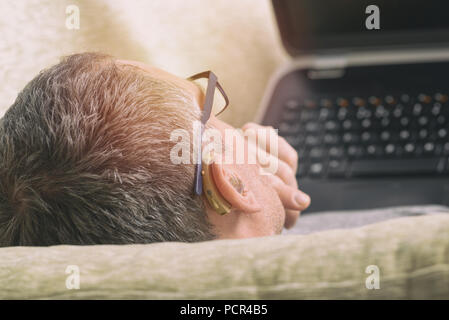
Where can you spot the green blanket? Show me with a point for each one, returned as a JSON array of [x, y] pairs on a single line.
[[411, 256]]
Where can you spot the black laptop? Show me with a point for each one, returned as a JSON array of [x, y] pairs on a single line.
[[366, 108]]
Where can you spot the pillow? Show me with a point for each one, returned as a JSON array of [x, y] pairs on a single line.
[[411, 256]]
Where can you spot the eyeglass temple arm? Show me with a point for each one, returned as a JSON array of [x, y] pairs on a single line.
[[212, 83], [207, 109], [199, 164]]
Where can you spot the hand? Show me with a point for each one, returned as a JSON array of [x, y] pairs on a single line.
[[284, 179]]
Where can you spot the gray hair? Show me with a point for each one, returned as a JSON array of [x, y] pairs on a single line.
[[85, 159]]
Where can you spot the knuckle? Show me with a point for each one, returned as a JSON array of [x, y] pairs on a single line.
[[270, 128], [286, 173], [293, 157], [248, 125]]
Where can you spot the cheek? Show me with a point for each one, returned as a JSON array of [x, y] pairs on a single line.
[[280, 215], [274, 208]]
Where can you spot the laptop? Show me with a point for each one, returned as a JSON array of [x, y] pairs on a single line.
[[364, 100]]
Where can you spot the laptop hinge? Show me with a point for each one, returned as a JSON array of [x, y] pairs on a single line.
[[326, 67], [329, 62]]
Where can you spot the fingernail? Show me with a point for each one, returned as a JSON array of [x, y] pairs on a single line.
[[302, 199]]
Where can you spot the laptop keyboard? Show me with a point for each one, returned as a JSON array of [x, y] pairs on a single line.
[[340, 137]]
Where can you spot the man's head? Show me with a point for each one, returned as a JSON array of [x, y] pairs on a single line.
[[85, 159]]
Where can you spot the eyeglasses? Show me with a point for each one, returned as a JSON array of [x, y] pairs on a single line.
[[215, 102]]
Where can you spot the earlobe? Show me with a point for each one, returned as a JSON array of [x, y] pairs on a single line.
[[233, 189]]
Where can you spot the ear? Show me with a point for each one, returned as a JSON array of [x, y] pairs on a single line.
[[240, 197]]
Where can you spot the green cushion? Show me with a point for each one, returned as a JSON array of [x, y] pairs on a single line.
[[412, 255]]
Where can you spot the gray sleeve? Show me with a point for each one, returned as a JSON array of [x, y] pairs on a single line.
[[320, 221]]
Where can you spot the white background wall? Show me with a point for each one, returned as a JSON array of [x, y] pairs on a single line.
[[237, 39]]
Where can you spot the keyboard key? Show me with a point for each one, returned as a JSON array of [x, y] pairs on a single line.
[[423, 121], [331, 138], [342, 102], [424, 98], [385, 135], [336, 169], [423, 134], [409, 148], [326, 114], [332, 135], [442, 133], [363, 113], [404, 121], [404, 134], [316, 169], [359, 102], [366, 123], [309, 115], [374, 150], [350, 137], [292, 105], [441, 97], [316, 153], [336, 152], [312, 140], [390, 149], [370, 137], [295, 140], [290, 116], [331, 126], [390, 100], [405, 98], [429, 148], [385, 122], [398, 111], [342, 114], [417, 109], [441, 120], [310, 103], [354, 151], [289, 128], [312, 127], [374, 100], [381, 112], [436, 109], [326, 103]]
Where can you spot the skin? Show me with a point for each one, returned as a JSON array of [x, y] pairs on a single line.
[[268, 202]]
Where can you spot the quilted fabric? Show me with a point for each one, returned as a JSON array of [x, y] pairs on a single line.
[[412, 256]]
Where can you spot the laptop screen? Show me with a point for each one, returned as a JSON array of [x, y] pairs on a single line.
[[310, 25]]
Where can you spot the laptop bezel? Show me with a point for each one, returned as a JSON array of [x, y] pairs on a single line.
[[377, 40]]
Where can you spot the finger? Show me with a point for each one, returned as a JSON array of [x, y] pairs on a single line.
[[291, 197], [283, 150], [288, 154], [285, 172], [291, 216], [273, 165], [288, 195]]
